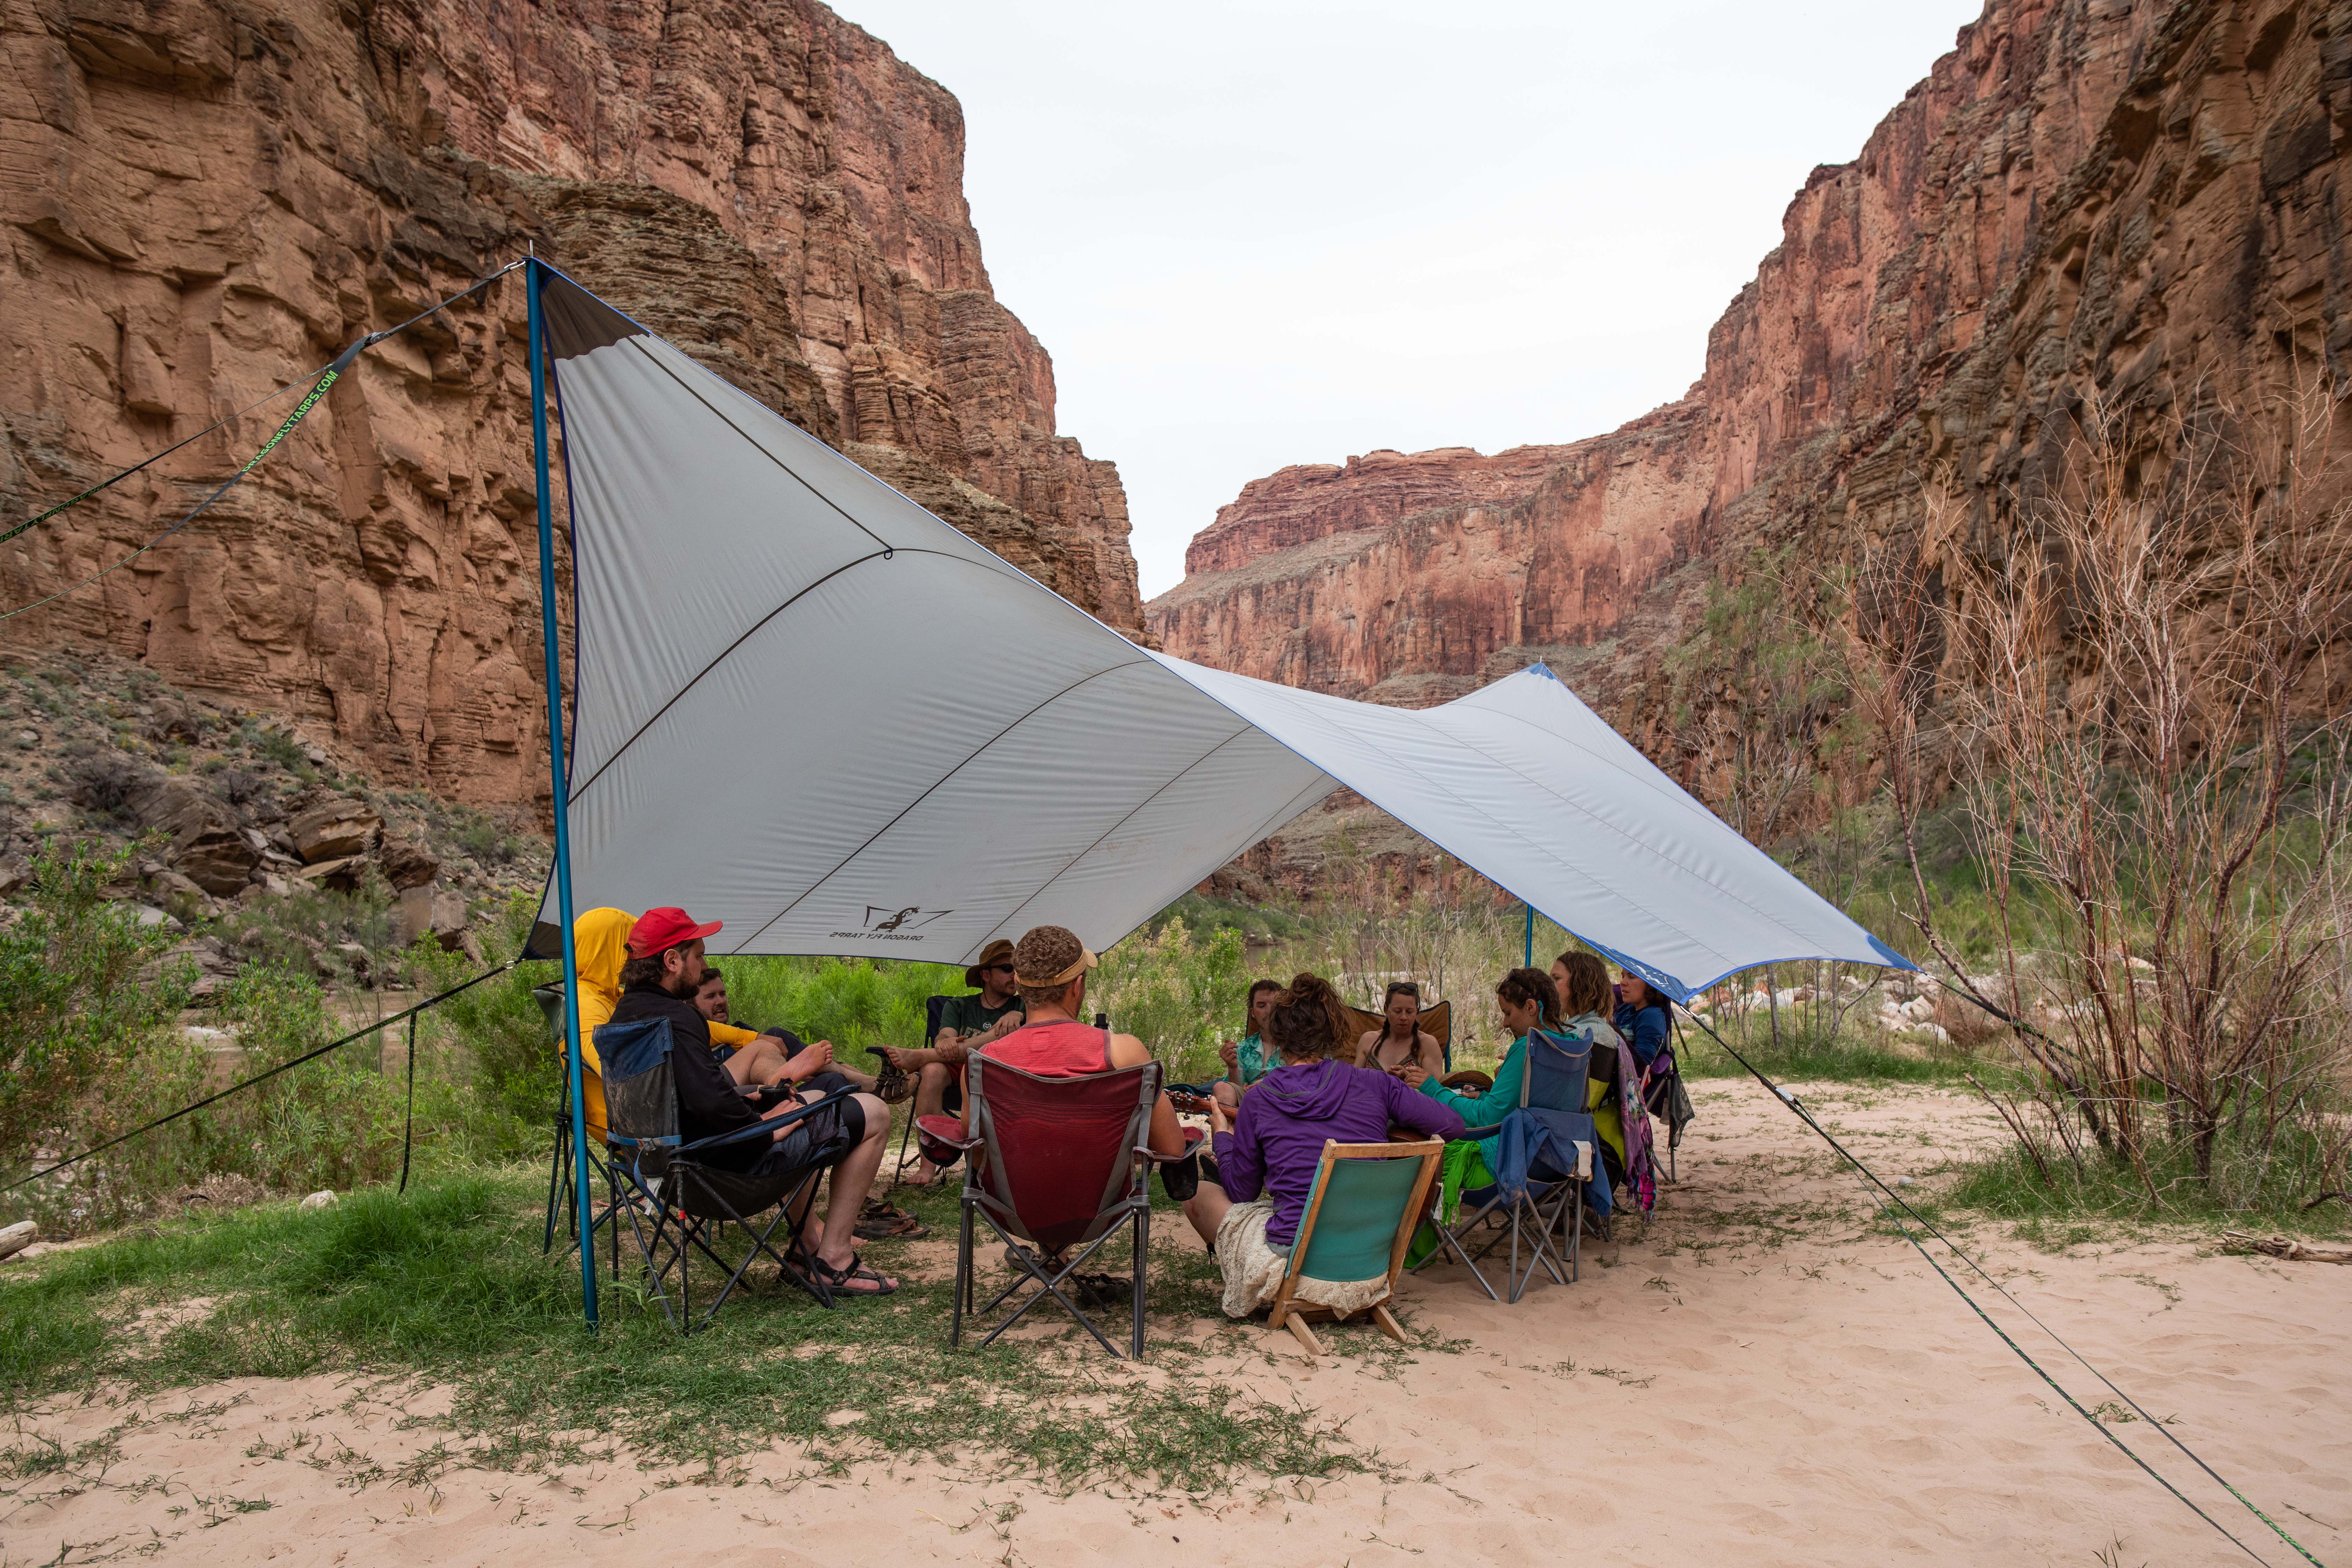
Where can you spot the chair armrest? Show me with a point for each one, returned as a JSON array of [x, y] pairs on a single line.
[[767, 1126], [1193, 1141], [949, 1131], [614, 1141]]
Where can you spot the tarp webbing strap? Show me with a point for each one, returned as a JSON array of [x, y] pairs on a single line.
[[1890, 1196], [325, 378], [376, 1028]]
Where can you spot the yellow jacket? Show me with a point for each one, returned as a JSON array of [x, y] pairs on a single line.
[[600, 940]]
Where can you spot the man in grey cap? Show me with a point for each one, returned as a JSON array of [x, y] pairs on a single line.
[[992, 1012]]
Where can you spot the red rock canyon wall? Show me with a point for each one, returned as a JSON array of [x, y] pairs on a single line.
[[199, 202], [2085, 197]]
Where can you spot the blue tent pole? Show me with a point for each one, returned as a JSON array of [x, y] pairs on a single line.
[[533, 277], [1529, 960]]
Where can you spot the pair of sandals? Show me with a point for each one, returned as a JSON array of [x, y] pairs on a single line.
[[881, 1220]]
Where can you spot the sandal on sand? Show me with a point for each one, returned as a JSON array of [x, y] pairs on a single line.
[[840, 1280], [899, 1226], [1102, 1289]]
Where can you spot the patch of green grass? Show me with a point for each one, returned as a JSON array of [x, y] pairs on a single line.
[[2105, 1196], [448, 1284]]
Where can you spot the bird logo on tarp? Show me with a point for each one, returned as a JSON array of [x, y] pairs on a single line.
[[888, 922]]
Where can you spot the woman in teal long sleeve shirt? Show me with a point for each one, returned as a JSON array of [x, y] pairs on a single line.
[[1527, 1000]]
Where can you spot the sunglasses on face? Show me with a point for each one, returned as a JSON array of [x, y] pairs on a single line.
[[996, 969]]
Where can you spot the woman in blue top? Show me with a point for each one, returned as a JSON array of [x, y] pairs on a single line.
[[1642, 1017], [1248, 1060]]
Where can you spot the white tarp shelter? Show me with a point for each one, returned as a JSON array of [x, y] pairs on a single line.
[[811, 710]]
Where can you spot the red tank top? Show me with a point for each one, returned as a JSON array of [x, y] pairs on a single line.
[[1054, 1050]]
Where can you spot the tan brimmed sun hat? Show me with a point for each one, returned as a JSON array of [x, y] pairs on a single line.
[[995, 952]]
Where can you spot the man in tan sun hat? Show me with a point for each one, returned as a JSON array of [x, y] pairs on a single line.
[[989, 1013]]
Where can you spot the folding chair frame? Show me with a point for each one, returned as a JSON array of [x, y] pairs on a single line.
[[659, 1219], [1536, 1215], [558, 1184], [932, 1008], [1131, 1213], [1296, 1318]]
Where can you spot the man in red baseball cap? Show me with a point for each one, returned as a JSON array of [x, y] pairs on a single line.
[[665, 969]]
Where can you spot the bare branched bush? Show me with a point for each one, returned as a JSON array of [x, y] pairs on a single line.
[[2148, 739]]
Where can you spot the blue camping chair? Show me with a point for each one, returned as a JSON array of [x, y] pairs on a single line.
[[682, 1204], [1545, 1155], [1358, 1220]]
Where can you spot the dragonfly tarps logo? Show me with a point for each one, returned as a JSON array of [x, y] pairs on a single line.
[[891, 922]]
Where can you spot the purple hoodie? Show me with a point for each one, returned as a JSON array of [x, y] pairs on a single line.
[[1278, 1140]]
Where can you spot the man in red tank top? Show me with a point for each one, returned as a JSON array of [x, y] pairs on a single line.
[[1050, 966]]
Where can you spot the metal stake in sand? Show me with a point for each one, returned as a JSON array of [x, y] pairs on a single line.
[[534, 279]]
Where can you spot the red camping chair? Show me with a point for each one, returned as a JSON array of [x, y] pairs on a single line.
[[1057, 1164]]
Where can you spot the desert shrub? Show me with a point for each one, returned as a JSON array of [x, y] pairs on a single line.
[[313, 930], [81, 991], [104, 781], [495, 1034], [481, 836], [276, 746], [1179, 993]]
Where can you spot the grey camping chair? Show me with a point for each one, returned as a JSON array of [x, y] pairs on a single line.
[[1547, 1144]]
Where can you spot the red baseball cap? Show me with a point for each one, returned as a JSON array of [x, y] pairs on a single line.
[[659, 931]]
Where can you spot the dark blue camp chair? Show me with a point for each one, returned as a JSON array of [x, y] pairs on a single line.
[[682, 1204], [1358, 1220], [1547, 1144]]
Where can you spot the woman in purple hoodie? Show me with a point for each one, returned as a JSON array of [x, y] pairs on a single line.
[[1267, 1155]]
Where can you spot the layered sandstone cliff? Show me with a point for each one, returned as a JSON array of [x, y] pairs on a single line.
[[200, 201], [2086, 198]]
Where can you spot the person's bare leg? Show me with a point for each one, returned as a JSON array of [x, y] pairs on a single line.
[[760, 1064], [931, 1099], [852, 1178], [1227, 1093], [1206, 1209]]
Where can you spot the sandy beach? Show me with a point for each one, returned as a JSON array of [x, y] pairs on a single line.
[[1765, 1378]]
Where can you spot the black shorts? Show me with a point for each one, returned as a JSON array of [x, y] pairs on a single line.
[[820, 1138], [951, 1098]]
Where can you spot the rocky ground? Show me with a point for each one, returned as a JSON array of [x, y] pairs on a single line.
[[252, 836]]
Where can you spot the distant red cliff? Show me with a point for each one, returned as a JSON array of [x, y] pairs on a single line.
[[2085, 197]]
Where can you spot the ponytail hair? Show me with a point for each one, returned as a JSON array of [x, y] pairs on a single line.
[[1521, 987], [1309, 1021]]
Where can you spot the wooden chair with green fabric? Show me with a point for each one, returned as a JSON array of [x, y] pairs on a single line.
[[1360, 1216]]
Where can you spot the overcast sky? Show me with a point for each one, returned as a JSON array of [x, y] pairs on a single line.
[[1288, 231]]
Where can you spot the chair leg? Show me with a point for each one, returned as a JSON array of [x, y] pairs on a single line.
[[962, 1280], [906, 1136], [1389, 1325], [1306, 1336], [559, 1162], [1143, 1252]]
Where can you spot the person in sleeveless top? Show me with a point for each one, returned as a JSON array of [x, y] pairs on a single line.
[[1400, 1041], [1050, 965]]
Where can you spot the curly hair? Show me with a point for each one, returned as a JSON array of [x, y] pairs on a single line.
[[1309, 1021], [1587, 984], [1521, 987]]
